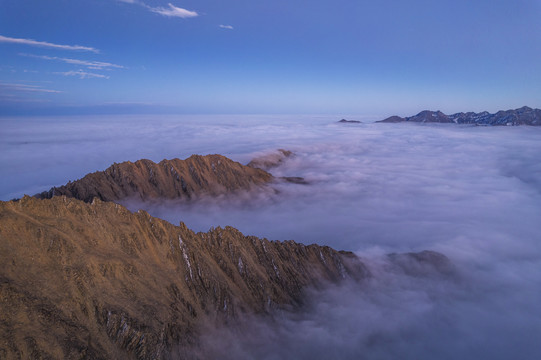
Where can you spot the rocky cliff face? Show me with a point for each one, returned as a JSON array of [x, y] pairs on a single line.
[[275, 159], [93, 280], [522, 116], [269, 161], [169, 179]]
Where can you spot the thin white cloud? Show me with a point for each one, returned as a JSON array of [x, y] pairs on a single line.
[[173, 11], [226, 27], [83, 74], [25, 88], [31, 42], [170, 11], [96, 65]]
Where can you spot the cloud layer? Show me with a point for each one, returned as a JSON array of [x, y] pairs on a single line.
[[472, 193], [394, 316]]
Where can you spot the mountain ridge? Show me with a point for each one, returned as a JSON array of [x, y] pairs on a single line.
[[521, 116], [271, 160], [94, 280], [169, 179]]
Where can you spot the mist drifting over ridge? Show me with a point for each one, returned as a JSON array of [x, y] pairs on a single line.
[[471, 193]]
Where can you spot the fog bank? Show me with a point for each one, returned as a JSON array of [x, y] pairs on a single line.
[[472, 193], [394, 316]]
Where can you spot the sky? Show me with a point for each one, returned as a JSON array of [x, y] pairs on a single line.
[[371, 58]]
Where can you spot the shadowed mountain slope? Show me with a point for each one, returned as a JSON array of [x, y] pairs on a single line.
[[269, 161], [93, 280], [169, 179], [275, 159]]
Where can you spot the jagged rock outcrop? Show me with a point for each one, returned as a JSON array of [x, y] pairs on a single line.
[[169, 179], [269, 161], [522, 116], [275, 159], [93, 280], [424, 263]]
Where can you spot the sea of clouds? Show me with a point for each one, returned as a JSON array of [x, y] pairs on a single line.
[[471, 193]]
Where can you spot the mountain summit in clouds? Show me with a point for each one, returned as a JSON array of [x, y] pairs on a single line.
[[522, 116], [271, 160], [169, 179], [90, 279]]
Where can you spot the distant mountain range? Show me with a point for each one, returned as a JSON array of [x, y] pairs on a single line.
[[522, 116]]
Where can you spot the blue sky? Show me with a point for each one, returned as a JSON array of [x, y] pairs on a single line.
[[373, 58]]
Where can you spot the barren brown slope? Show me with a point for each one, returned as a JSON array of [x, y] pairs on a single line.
[[81, 280], [169, 179]]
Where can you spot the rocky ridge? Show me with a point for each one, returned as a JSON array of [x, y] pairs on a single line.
[[522, 116], [93, 280], [272, 160], [275, 159], [169, 179]]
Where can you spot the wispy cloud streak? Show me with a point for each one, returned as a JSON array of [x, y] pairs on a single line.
[[226, 27], [46, 44], [173, 11], [83, 74], [96, 65], [25, 88], [169, 11]]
